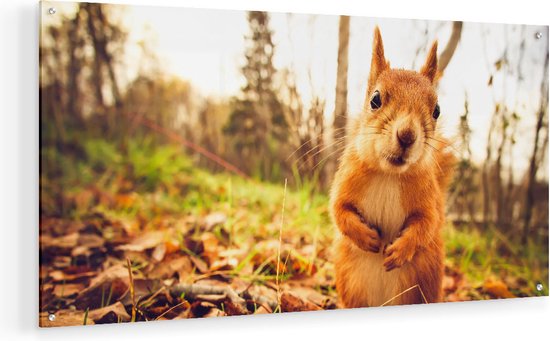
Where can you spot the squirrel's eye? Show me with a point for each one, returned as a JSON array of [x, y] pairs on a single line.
[[436, 112], [375, 101]]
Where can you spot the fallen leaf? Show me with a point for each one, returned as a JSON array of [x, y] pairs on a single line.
[[159, 252], [313, 296], [290, 302], [62, 244], [199, 264], [166, 269], [262, 310], [65, 276], [210, 245], [68, 289], [110, 285], [144, 242], [215, 312], [143, 289], [109, 314], [497, 288], [213, 219], [64, 318], [126, 200], [224, 264]]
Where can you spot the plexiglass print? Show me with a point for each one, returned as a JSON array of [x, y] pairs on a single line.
[[201, 163]]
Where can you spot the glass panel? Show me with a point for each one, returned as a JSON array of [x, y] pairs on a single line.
[[201, 163]]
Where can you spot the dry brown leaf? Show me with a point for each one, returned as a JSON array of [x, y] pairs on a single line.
[[290, 302], [68, 289], [64, 318], [144, 288], [109, 314], [199, 264], [172, 246], [215, 312], [84, 199], [64, 243], [113, 272], [210, 244], [110, 291], [112, 283], [63, 276], [313, 296], [166, 269], [144, 242], [126, 200], [213, 219], [159, 252], [262, 310], [497, 288], [62, 262], [224, 264]]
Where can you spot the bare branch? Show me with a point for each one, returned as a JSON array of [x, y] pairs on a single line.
[[450, 48]]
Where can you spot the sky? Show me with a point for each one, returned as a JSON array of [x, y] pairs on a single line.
[[206, 47]]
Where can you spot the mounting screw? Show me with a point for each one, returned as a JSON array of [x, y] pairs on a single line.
[[51, 317], [538, 35], [539, 287], [52, 10]]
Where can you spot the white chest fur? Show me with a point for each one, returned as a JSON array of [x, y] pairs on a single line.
[[381, 205]]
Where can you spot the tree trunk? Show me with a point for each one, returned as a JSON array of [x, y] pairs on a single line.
[[450, 48], [487, 166], [97, 77], [75, 42], [499, 193], [341, 105], [533, 164], [341, 100]]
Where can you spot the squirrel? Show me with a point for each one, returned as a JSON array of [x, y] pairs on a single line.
[[387, 198]]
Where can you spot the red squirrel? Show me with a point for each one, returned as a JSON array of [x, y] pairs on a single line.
[[388, 195]]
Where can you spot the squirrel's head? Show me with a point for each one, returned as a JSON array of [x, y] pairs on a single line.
[[400, 114]]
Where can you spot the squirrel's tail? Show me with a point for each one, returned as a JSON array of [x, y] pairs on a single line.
[[446, 161]]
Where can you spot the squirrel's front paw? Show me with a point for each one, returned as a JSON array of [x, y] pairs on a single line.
[[398, 253], [368, 240]]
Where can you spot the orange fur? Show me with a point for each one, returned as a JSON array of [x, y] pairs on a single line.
[[388, 200]]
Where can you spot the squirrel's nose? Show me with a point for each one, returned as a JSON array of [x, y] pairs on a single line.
[[406, 138]]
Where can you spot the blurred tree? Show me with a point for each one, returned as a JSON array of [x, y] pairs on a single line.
[[449, 50], [306, 131], [463, 189], [108, 39], [76, 42], [52, 84], [77, 52], [212, 116], [534, 164], [341, 98], [341, 105], [257, 121]]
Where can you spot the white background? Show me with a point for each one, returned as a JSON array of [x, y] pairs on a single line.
[[519, 319]]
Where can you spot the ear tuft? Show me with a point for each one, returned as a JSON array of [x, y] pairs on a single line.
[[430, 66], [378, 62]]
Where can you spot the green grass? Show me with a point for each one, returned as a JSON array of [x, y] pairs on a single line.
[[480, 257]]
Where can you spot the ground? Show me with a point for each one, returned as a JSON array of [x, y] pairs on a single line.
[[200, 244]]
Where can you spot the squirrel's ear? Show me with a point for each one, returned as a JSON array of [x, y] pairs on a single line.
[[430, 67], [378, 62]]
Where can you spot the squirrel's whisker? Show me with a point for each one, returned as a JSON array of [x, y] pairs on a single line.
[[304, 160]]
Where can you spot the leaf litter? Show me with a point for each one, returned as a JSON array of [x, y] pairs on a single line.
[[223, 260]]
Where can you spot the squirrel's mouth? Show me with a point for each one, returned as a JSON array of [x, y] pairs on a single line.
[[396, 160]]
